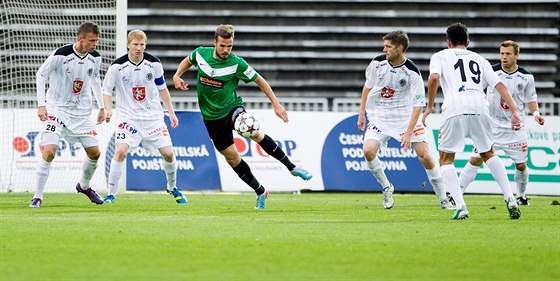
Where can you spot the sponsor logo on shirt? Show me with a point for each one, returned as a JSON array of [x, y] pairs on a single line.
[[77, 86], [139, 93], [387, 92], [211, 82], [503, 105]]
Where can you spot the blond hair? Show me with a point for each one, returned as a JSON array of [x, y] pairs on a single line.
[[137, 34]]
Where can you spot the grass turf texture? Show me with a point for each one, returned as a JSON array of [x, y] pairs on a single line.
[[313, 236]]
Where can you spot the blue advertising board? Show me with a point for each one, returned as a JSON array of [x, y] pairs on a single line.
[[195, 156], [344, 167]]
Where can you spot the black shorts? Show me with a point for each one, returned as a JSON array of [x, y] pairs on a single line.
[[221, 130]]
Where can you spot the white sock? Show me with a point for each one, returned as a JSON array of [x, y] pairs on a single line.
[[170, 169], [42, 174], [499, 173], [451, 182], [114, 176], [376, 169], [435, 179], [521, 178], [467, 176], [88, 169]]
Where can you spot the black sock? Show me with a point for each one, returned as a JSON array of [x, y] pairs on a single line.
[[244, 172], [272, 148]]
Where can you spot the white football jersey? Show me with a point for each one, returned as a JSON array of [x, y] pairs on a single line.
[[521, 85], [71, 79], [136, 87], [463, 77], [395, 90]]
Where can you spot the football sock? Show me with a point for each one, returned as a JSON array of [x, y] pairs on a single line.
[[376, 169], [499, 173], [88, 168], [521, 178], [42, 174], [467, 176], [244, 172], [451, 181], [170, 169], [272, 148], [114, 176], [435, 179]]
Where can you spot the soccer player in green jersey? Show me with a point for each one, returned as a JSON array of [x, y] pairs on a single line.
[[219, 72]]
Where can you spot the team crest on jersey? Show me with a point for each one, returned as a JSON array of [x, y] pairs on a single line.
[[402, 83], [503, 105], [90, 71], [77, 86], [520, 87], [139, 93], [149, 76], [387, 93]]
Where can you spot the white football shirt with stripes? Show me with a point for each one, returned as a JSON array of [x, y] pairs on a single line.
[[137, 87], [72, 78], [395, 90], [521, 85], [463, 77]]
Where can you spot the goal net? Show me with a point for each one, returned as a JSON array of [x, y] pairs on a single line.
[[30, 31]]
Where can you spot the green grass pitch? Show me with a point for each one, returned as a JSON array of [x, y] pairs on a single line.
[[312, 236]]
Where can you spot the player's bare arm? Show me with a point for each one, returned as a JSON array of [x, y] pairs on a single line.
[[361, 117], [267, 90], [42, 113], [534, 109], [406, 139], [101, 116], [108, 101], [433, 85], [506, 96], [166, 99], [177, 80]]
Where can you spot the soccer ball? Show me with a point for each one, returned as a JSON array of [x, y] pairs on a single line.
[[246, 125]]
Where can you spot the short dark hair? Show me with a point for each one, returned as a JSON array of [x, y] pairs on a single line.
[[457, 34], [225, 31], [511, 43], [399, 38], [89, 27]]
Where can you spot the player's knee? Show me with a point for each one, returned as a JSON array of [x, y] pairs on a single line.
[[93, 153], [119, 155], [475, 161], [521, 166]]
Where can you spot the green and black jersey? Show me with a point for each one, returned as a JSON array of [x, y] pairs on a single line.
[[217, 81]]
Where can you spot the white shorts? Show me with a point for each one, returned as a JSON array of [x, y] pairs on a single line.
[[513, 144], [152, 134], [382, 135], [72, 129], [453, 131]]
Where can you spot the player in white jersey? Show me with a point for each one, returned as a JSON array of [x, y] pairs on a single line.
[[393, 96], [137, 79], [72, 73], [464, 75], [521, 84]]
